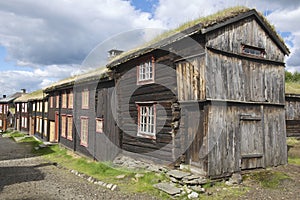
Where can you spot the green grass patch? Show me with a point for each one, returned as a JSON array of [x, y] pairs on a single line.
[[105, 171], [220, 191], [17, 134], [269, 179], [292, 141], [294, 160], [292, 87]]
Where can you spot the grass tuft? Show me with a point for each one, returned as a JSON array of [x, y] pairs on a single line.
[[269, 179]]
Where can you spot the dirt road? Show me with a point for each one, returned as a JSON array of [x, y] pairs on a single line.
[[24, 176]]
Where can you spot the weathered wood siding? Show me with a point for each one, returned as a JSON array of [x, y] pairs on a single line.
[[89, 113], [107, 143], [162, 92], [191, 79], [249, 32], [292, 107], [245, 137], [237, 79]]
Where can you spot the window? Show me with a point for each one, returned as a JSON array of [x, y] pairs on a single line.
[[4, 109], [99, 125], [70, 128], [1, 106], [24, 107], [33, 106], [37, 107], [70, 100], [57, 101], [45, 127], [51, 102], [18, 107], [46, 106], [84, 131], [37, 128], [146, 72], [63, 125], [85, 99], [24, 122], [146, 120], [41, 106], [64, 100], [41, 127], [253, 51], [1, 122]]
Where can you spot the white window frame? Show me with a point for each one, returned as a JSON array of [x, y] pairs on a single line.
[[146, 72], [69, 127], [70, 100], [147, 120], [64, 126], [84, 131], [85, 99]]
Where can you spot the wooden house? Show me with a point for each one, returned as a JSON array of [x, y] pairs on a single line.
[[56, 105], [7, 110], [83, 118], [38, 114], [22, 114], [292, 103], [209, 94]]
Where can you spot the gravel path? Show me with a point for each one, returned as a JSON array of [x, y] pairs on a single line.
[[23, 176]]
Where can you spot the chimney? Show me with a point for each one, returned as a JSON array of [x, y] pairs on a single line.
[[23, 90], [4, 96], [113, 53]]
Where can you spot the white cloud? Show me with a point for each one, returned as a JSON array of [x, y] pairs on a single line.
[[55, 37]]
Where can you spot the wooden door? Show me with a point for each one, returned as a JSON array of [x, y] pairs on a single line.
[[31, 131], [252, 142]]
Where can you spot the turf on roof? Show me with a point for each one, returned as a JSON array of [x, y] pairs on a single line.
[[36, 95], [204, 22], [98, 73]]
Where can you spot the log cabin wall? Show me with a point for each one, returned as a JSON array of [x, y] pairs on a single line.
[[107, 136], [82, 113], [162, 92], [292, 107]]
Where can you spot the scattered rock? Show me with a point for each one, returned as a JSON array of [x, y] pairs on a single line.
[[174, 180], [139, 176], [168, 188], [121, 176], [193, 195], [236, 178], [198, 189], [178, 174], [109, 186]]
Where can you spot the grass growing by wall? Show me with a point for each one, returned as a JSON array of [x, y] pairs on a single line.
[[105, 171]]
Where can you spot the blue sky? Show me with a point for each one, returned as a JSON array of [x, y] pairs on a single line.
[[41, 42]]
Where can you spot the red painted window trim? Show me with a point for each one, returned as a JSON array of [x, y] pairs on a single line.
[[70, 105], [57, 101], [143, 134], [64, 100], [64, 135], [87, 135], [148, 81], [69, 137], [82, 96]]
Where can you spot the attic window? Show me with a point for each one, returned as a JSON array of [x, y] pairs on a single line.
[[145, 72], [253, 51]]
